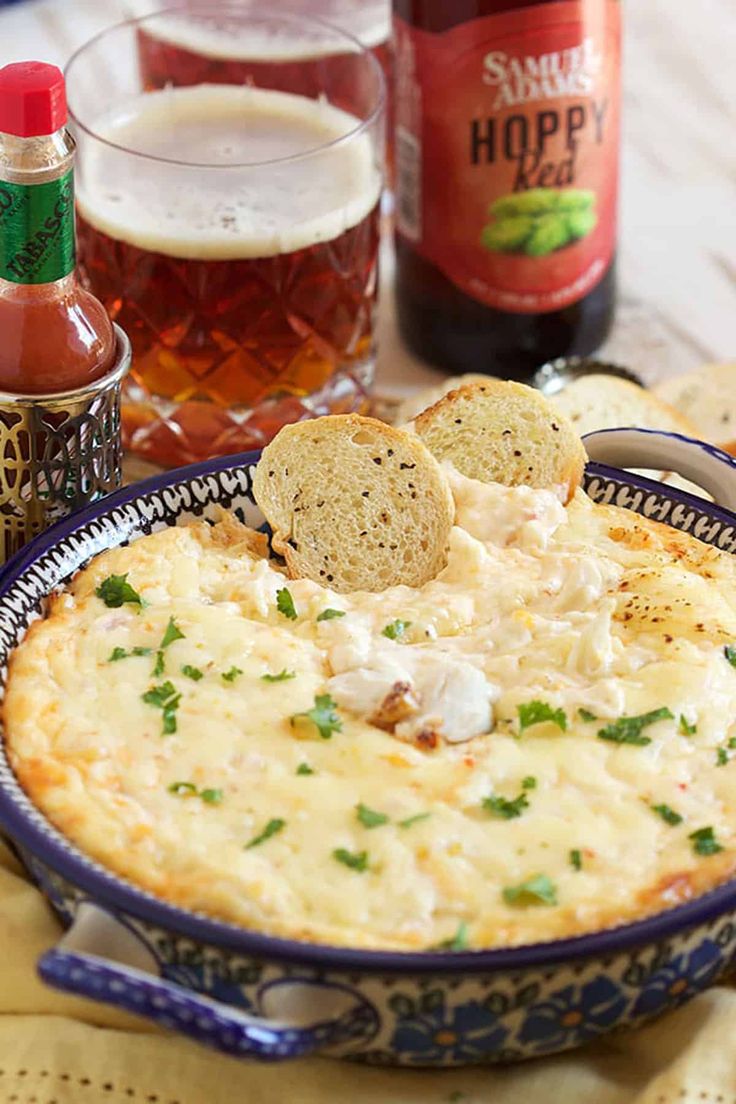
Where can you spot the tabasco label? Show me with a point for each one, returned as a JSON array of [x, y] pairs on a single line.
[[37, 230], [507, 150]]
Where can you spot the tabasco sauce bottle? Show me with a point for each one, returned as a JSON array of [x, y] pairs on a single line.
[[507, 151], [54, 335]]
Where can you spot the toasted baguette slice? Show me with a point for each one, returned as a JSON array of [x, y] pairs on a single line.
[[601, 401], [414, 404], [355, 504], [503, 432], [707, 398]]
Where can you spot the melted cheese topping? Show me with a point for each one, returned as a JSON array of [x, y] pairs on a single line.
[[584, 607]]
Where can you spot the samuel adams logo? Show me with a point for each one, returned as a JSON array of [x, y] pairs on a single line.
[[521, 80]]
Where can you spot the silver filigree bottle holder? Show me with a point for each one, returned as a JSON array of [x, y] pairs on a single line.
[[59, 452]]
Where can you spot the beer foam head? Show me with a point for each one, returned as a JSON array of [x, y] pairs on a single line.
[[241, 39], [219, 172]]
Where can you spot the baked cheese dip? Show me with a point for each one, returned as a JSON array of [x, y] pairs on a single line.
[[539, 742]]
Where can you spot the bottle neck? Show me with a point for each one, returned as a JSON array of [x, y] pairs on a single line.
[[36, 208]]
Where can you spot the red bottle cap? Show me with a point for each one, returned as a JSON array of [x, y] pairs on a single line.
[[32, 99]]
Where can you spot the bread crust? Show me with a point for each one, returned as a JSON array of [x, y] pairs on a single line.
[[355, 504], [410, 407], [495, 445], [610, 393], [705, 399]]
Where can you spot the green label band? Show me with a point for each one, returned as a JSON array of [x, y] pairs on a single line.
[[37, 230]]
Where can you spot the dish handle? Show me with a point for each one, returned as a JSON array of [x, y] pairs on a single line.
[[119, 969], [709, 467]]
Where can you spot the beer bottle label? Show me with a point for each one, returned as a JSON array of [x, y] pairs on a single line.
[[507, 150], [37, 230]]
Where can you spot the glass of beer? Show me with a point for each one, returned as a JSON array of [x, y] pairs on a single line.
[[231, 227], [176, 52]]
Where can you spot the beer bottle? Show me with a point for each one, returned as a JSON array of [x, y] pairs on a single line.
[[507, 133], [54, 335]]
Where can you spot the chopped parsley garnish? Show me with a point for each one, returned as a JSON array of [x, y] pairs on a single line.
[[188, 789], [330, 614], [730, 653], [395, 629], [192, 673], [211, 797], [537, 890], [502, 807], [322, 716], [732, 743], [685, 728], [166, 698], [529, 783], [586, 715], [115, 591], [721, 757], [183, 788], [120, 653], [457, 942], [232, 674], [168, 727], [370, 818], [173, 632], [407, 823], [162, 695], [304, 768], [282, 676], [285, 604], [576, 859], [534, 712], [627, 730], [356, 860], [668, 815], [272, 828], [705, 842]]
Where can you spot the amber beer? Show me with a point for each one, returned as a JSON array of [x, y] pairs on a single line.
[[246, 281], [507, 147], [182, 49]]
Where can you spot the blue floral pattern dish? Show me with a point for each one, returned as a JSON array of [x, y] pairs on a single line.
[[252, 995], [432, 1031]]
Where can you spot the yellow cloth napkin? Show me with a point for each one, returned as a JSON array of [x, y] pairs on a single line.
[[61, 1050]]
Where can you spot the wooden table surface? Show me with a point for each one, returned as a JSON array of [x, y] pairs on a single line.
[[678, 218]]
